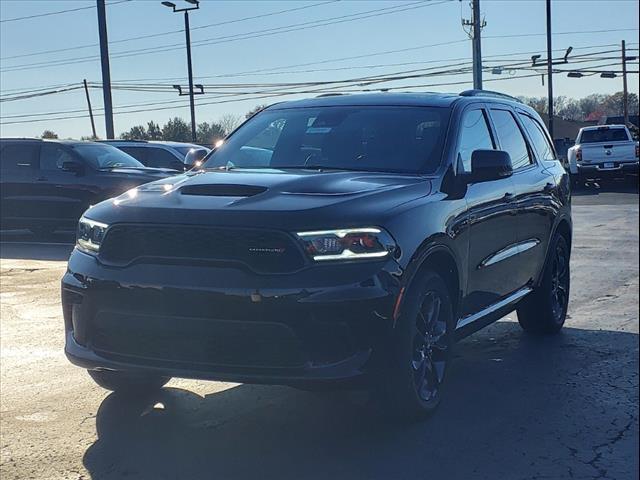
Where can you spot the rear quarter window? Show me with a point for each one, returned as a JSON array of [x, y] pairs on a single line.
[[18, 157]]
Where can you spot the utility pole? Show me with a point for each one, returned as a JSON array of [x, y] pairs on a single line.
[[625, 96], [192, 103], [106, 74], [549, 69], [476, 24], [86, 92], [187, 32]]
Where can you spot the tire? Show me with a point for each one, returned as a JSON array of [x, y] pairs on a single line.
[[421, 349], [544, 310], [128, 383], [577, 181]]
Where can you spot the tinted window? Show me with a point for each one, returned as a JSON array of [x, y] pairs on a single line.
[[511, 139], [538, 138], [160, 158], [475, 135], [105, 156], [18, 156], [139, 153], [604, 134], [392, 139], [52, 156]]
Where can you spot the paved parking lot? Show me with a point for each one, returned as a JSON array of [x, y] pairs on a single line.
[[516, 407]]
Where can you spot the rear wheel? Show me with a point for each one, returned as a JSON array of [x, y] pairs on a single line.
[[421, 349], [126, 382], [577, 181], [545, 309]]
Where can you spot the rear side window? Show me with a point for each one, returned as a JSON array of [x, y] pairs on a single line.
[[52, 157], [474, 135], [139, 153], [511, 139], [539, 139], [18, 157], [160, 158], [604, 134]]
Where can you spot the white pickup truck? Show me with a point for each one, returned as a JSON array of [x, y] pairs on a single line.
[[602, 151]]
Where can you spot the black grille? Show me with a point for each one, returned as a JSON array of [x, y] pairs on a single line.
[[261, 250]]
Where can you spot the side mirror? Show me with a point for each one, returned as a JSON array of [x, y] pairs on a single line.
[[71, 166], [488, 165], [194, 158]]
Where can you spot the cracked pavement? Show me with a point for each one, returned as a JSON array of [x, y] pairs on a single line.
[[516, 406]]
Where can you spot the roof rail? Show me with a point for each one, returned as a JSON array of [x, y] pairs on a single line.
[[22, 138], [488, 93]]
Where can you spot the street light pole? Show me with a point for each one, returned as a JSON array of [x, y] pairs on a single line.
[[187, 33]]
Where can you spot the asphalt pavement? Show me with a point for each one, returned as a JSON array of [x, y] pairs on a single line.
[[516, 406]]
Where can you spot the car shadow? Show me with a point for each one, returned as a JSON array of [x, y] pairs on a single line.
[[596, 187], [514, 404]]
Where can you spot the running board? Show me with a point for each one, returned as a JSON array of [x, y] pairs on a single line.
[[471, 323]]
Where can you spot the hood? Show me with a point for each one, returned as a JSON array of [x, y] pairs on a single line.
[[269, 198]]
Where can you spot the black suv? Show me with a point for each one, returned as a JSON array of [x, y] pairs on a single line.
[[48, 184], [333, 240]]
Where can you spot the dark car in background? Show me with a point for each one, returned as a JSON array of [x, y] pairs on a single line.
[[339, 239], [47, 184], [160, 154]]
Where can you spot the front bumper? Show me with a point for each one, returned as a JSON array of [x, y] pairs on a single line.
[[324, 323], [599, 170]]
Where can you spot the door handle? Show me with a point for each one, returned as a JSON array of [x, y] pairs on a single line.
[[41, 179]]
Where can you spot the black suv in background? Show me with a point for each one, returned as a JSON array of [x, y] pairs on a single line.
[[331, 240], [160, 154], [48, 184]]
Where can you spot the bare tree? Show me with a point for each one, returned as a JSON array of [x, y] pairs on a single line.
[[229, 122]]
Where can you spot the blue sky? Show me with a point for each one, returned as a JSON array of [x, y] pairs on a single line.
[[408, 26]]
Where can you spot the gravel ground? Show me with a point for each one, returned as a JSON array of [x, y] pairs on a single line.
[[516, 407]]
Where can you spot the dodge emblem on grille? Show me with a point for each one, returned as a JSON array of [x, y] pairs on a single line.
[[277, 250]]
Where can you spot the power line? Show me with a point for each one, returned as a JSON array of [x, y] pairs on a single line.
[[268, 71], [325, 86], [235, 37], [162, 34], [489, 58], [28, 17]]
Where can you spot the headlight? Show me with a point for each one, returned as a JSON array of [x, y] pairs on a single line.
[[347, 244], [90, 235]]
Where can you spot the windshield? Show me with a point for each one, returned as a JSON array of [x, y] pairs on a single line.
[[604, 134], [369, 138], [106, 156]]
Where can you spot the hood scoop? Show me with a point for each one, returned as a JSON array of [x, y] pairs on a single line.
[[222, 190]]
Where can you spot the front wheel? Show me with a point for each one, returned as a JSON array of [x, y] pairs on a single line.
[[545, 309], [421, 350], [128, 383]]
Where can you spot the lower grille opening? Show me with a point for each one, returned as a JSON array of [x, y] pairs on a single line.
[[197, 341]]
